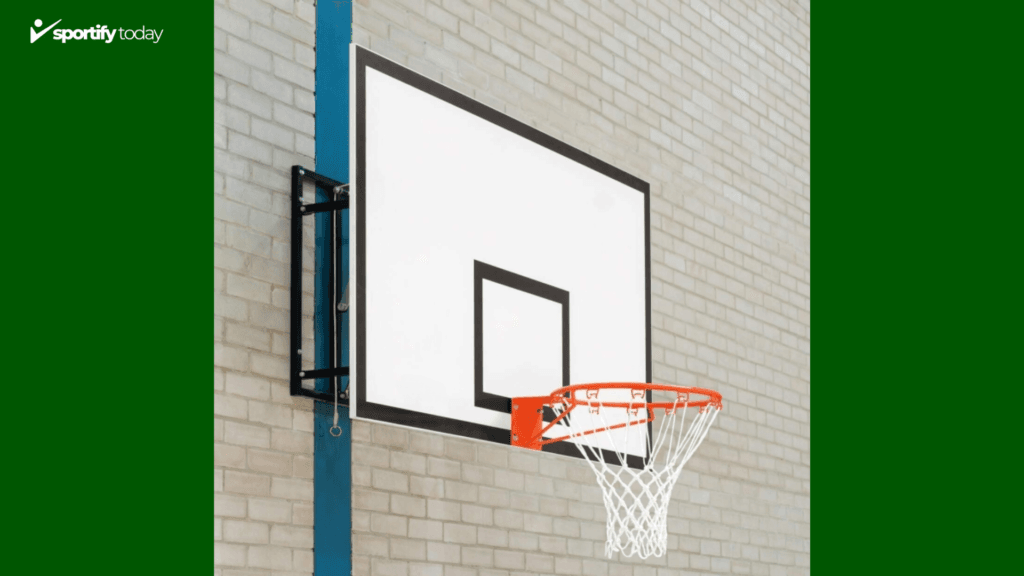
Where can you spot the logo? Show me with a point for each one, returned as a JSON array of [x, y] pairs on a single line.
[[106, 34], [33, 35]]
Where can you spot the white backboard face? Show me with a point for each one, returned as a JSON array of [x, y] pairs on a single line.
[[490, 261]]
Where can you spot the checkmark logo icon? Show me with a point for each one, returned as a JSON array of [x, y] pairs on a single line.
[[33, 35]]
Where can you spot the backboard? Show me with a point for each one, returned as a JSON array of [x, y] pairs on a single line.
[[489, 260]]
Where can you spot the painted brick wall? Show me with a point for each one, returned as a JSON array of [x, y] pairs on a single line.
[[708, 101], [263, 105]]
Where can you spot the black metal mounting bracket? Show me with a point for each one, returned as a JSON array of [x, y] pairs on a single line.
[[337, 192]]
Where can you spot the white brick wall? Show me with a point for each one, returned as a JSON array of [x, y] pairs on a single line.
[[709, 102], [263, 439]]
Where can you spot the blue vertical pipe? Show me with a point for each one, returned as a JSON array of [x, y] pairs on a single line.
[[332, 475]]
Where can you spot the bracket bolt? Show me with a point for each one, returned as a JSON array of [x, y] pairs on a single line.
[[301, 374], [299, 351], [302, 172]]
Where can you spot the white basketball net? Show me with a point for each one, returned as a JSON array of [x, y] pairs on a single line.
[[637, 500]]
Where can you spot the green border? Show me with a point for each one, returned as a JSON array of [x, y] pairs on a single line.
[[108, 255], [916, 306]]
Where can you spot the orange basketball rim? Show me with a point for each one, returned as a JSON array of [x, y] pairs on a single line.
[[527, 420], [636, 492]]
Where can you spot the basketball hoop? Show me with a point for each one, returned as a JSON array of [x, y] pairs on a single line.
[[636, 500]]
